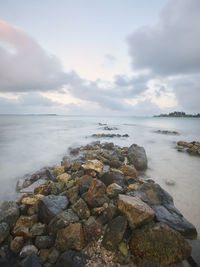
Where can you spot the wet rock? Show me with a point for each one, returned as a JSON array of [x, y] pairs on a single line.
[[56, 188], [72, 258], [30, 189], [16, 244], [96, 195], [28, 250], [42, 190], [4, 231], [62, 220], [115, 163], [44, 253], [114, 232], [32, 200], [50, 206], [169, 215], [23, 225], [37, 229], [84, 183], [58, 170], [31, 261], [159, 245], [50, 174], [42, 242], [113, 190], [108, 146], [111, 177], [74, 151], [71, 237], [81, 209], [137, 212], [195, 256], [72, 194], [137, 157], [167, 132], [66, 162], [129, 171], [76, 166], [92, 229], [9, 213], [53, 255], [63, 178], [95, 165]]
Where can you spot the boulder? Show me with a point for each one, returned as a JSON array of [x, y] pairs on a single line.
[[92, 229], [96, 195], [28, 250], [169, 215], [95, 165], [113, 190], [71, 258], [81, 209], [4, 231], [62, 220], [37, 229], [31, 261], [63, 178], [32, 200], [71, 237], [137, 212], [44, 241], [84, 183], [129, 171], [23, 226], [50, 174], [111, 177], [17, 244], [58, 170], [9, 213], [53, 255], [159, 245], [72, 194], [114, 232], [66, 162], [137, 156], [50, 206]]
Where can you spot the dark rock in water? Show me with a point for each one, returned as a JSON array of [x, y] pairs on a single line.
[[96, 195], [9, 213], [50, 174], [167, 214], [137, 157], [159, 245], [44, 241], [114, 232], [194, 260], [50, 206], [66, 162], [31, 261], [111, 177], [92, 229], [62, 220], [71, 258], [108, 146], [71, 237], [4, 231]]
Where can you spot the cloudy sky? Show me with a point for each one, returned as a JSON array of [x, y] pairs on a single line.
[[99, 56]]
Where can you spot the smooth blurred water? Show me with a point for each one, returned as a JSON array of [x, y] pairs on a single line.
[[28, 143]]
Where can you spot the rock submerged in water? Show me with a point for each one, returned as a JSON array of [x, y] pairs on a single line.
[[86, 213], [193, 148]]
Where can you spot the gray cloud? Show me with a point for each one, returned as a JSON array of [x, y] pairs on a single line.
[[24, 65], [110, 58], [172, 46]]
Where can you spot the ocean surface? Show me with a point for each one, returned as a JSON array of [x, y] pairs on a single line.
[[28, 143]]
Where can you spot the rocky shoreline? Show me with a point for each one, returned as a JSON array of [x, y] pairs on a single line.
[[193, 148], [95, 209]]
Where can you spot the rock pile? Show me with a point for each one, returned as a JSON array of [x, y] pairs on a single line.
[[109, 135], [193, 148], [167, 132], [93, 210]]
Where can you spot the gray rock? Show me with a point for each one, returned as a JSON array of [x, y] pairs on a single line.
[[111, 177], [30, 189], [62, 220], [4, 231], [16, 244], [31, 261], [50, 206], [44, 241], [195, 256], [28, 250], [50, 174], [114, 232], [9, 213], [81, 209], [72, 258], [137, 157], [169, 215]]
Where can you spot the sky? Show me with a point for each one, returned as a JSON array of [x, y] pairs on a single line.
[[99, 57]]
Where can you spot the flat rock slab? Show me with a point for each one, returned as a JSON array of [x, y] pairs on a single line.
[[136, 211], [50, 206], [159, 245]]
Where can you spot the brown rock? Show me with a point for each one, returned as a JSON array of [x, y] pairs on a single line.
[[96, 195], [129, 171], [84, 183], [81, 209], [113, 190], [71, 237], [159, 245], [72, 194], [95, 165], [136, 211], [92, 229], [16, 244], [63, 178], [58, 170], [23, 225]]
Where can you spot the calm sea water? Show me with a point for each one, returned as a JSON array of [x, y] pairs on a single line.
[[28, 143]]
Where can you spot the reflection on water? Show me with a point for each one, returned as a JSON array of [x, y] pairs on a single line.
[[28, 143]]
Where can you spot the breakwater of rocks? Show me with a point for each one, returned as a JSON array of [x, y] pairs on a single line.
[[95, 209]]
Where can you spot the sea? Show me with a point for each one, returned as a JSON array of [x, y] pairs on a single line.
[[30, 142]]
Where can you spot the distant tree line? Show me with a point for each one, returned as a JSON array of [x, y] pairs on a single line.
[[179, 114]]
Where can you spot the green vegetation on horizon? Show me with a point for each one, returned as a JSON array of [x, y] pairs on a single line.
[[179, 114]]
